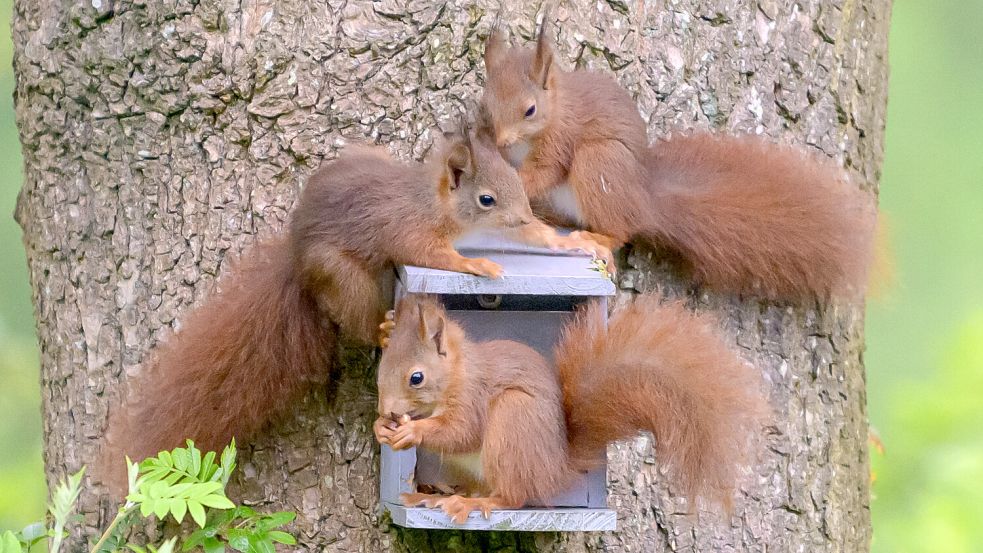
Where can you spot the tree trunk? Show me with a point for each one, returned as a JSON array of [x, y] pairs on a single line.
[[160, 137]]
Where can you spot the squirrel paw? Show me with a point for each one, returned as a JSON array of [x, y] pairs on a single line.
[[420, 499], [384, 429], [481, 267], [579, 242], [407, 435], [458, 508], [386, 329], [600, 239]]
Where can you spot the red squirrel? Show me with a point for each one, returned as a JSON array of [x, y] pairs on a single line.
[[268, 334], [744, 215], [656, 367]]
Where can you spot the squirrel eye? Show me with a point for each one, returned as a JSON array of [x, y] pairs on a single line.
[[486, 200], [531, 111], [416, 378]]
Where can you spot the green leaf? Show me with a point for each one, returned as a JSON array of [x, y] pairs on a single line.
[[197, 512], [195, 462], [216, 501], [136, 548], [282, 537], [221, 518], [207, 467], [178, 508], [202, 489], [181, 459], [168, 546], [157, 489], [238, 539], [173, 478], [161, 508], [147, 507], [64, 497], [213, 545], [33, 532], [260, 545], [165, 459], [280, 518], [132, 472], [200, 537], [228, 461], [9, 543]]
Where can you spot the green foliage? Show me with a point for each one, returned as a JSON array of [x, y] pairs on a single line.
[[923, 379], [172, 484], [182, 481], [166, 547], [62, 503], [243, 529], [925, 340]]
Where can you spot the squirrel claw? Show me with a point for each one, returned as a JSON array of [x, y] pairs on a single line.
[[459, 508], [581, 241]]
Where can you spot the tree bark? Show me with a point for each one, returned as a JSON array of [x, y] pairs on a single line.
[[161, 137]]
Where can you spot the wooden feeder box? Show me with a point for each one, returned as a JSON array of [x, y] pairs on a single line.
[[530, 303]]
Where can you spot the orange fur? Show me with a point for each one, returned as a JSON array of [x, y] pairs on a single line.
[[255, 347], [657, 367], [246, 355], [745, 215], [661, 368], [753, 216]]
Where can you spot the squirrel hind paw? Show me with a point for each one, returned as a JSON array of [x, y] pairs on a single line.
[[459, 508]]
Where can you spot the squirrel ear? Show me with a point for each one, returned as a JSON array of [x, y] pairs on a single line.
[[494, 45], [542, 62], [438, 336], [432, 333], [421, 322], [458, 158]]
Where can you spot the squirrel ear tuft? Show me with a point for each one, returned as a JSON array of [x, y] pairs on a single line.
[[494, 44], [542, 62]]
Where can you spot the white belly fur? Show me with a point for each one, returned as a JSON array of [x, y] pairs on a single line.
[[564, 202]]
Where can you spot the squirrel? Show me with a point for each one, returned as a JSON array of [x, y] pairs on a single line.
[[656, 367], [743, 214], [268, 334]]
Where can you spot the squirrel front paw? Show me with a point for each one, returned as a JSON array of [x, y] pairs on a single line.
[[386, 329], [384, 429], [578, 242], [481, 267], [408, 434]]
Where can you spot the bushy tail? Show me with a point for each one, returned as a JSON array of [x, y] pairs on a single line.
[[661, 368], [245, 355], [752, 216]]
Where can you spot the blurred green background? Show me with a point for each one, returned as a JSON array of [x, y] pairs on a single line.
[[925, 335]]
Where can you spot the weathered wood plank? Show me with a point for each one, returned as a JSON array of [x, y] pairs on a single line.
[[512, 520]]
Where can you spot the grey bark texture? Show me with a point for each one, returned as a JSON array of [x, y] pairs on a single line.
[[161, 137]]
